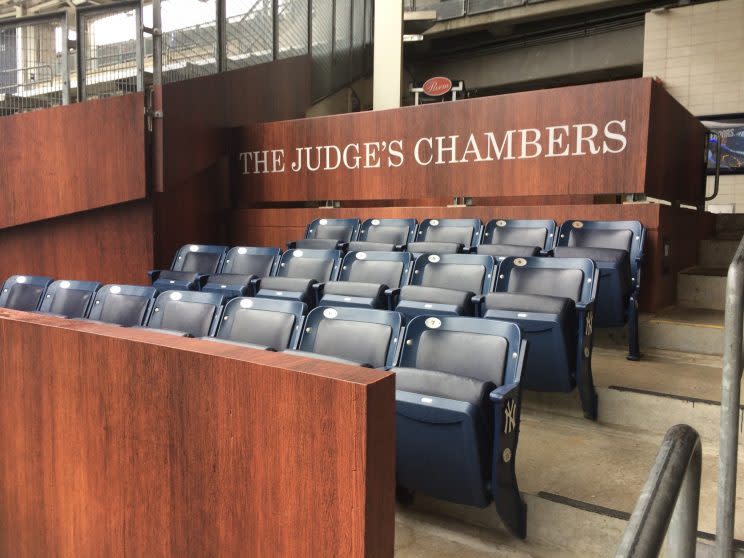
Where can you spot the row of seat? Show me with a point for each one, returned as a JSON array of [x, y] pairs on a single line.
[[457, 378]]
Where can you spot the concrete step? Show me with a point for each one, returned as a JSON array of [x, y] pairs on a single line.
[[702, 287], [580, 480], [690, 330], [717, 253]]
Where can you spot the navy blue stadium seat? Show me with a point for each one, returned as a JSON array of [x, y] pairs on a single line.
[[262, 323], [71, 299], [298, 273], [446, 236], [242, 265], [551, 300], [328, 234], [190, 264], [356, 336], [125, 305], [192, 313], [458, 409], [617, 249], [384, 235], [518, 238], [24, 292], [368, 279], [446, 284]]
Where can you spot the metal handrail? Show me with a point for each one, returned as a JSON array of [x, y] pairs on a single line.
[[669, 501], [730, 394], [713, 134]]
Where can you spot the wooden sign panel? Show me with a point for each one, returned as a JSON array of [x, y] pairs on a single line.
[[591, 139]]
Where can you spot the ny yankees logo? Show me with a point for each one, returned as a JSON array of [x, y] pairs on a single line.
[[510, 416], [589, 323]]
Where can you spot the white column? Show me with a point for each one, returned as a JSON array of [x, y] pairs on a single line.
[[388, 54]]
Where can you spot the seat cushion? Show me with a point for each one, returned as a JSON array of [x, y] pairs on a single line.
[[317, 244], [435, 247], [530, 303], [604, 258], [329, 358], [291, 284], [230, 280], [361, 290], [367, 246], [443, 384], [180, 276], [415, 293], [524, 236], [508, 250]]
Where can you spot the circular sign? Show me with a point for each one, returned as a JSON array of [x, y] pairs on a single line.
[[330, 313], [437, 86], [375, 222], [65, 285], [194, 248], [361, 256], [323, 222], [246, 303], [21, 279], [298, 253], [116, 289], [521, 262], [501, 223], [433, 323], [434, 222], [176, 296], [577, 224], [434, 258], [242, 251]]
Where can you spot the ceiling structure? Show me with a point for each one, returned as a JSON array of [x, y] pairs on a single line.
[[18, 8]]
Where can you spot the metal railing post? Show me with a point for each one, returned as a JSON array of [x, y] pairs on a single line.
[[668, 504], [139, 49], [221, 49], [157, 44], [730, 393], [65, 61]]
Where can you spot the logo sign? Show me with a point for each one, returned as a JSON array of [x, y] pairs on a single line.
[[437, 86]]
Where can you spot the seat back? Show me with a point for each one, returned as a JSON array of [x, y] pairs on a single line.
[[321, 265], [343, 230], [462, 231], [250, 260], [572, 278], [192, 312], [276, 324], [199, 258], [620, 235], [381, 268], [486, 350], [126, 305], [526, 232], [388, 231], [24, 292], [460, 272], [364, 336], [69, 298]]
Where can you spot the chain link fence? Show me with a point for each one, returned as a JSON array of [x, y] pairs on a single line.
[[190, 46], [110, 51], [34, 64]]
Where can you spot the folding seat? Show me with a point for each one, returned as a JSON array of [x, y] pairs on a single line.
[[24, 292], [70, 299], [190, 264], [328, 234], [262, 323], [518, 238], [551, 300], [458, 408], [355, 336], [385, 235], [242, 265], [298, 272], [446, 236], [125, 305], [368, 279], [446, 284], [190, 313], [617, 249]]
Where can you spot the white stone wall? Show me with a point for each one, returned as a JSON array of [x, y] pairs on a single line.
[[698, 53]]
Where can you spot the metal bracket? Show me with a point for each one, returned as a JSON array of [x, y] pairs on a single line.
[[154, 31]]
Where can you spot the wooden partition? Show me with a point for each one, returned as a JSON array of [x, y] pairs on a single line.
[[617, 137], [122, 442], [681, 228]]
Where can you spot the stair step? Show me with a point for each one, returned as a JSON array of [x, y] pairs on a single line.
[[717, 253], [580, 480], [702, 287], [690, 330]]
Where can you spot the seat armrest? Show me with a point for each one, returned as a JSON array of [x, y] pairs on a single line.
[[318, 290], [343, 246], [502, 393], [547, 253], [400, 247], [392, 296], [477, 302], [153, 274]]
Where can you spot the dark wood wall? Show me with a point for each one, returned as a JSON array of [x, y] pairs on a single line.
[[201, 116], [73, 158], [119, 442], [677, 139], [684, 227]]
